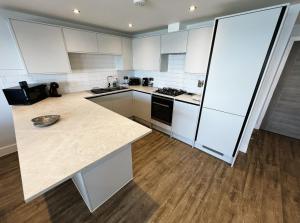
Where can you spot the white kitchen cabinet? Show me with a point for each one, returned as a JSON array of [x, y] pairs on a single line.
[[142, 105], [126, 59], [109, 44], [237, 60], [120, 103], [79, 41], [185, 120], [174, 42], [146, 53], [42, 47], [105, 101], [218, 132], [198, 50], [240, 51]]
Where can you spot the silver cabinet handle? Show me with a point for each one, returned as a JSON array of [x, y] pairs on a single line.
[[215, 151], [166, 106]]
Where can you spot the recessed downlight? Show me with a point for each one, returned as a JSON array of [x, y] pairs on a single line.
[[192, 8], [76, 11], [130, 25]]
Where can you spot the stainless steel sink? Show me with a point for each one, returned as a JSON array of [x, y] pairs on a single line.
[[105, 90]]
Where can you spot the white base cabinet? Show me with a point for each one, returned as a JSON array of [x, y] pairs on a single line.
[[142, 105], [218, 132], [184, 122], [120, 103], [101, 180]]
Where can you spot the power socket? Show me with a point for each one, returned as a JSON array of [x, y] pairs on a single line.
[[200, 83]]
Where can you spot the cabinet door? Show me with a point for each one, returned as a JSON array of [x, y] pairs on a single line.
[[109, 44], [142, 105], [219, 131], [198, 49], [80, 41], [240, 48], [185, 119], [122, 104], [146, 53], [174, 42], [126, 54], [42, 47], [105, 101]]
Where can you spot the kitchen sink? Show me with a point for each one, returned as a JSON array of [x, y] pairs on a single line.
[[105, 90]]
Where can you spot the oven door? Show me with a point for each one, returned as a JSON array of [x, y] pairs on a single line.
[[162, 109]]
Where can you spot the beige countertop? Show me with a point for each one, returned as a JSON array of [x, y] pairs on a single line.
[[86, 133]]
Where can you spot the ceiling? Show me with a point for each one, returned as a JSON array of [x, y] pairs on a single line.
[[116, 14]]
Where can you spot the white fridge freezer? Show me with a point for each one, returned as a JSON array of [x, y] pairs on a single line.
[[241, 47]]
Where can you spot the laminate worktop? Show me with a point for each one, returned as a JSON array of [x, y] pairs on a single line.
[[85, 134]]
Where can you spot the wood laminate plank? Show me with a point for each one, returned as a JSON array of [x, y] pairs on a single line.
[[282, 116], [175, 183]]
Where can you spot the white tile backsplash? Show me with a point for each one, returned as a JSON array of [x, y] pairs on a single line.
[[176, 63], [175, 77], [72, 82], [89, 70]]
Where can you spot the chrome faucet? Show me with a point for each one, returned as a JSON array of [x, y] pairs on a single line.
[[109, 80]]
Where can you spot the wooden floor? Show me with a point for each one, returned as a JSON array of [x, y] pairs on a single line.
[[175, 183]]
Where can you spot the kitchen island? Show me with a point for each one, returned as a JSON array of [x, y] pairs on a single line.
[[90, 145]]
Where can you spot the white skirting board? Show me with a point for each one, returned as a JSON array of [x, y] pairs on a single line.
[[5, 150]]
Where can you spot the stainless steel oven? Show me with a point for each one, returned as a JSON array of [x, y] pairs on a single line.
[[162, 109]]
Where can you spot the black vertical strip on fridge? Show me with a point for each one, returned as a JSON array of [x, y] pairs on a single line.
[[283, 10], [207, 72]]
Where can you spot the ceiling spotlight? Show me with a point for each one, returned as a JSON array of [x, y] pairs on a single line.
[[130, 25], [76, 11], [192, 8]]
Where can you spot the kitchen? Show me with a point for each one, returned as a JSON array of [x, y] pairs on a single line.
[[98, 108]]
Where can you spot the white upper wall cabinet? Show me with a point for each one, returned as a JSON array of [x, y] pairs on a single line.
[[146, 53], [42, 47], [198, 49], [79, 41], [126, 54], [174, 42], [109, 44]]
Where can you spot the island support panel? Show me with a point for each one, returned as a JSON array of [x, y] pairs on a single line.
[[100, 181]]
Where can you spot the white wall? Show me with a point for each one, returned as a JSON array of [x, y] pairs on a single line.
[[10, 63]]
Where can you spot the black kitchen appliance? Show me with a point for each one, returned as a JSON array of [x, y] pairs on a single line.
[[25, 94], [170, 91], [145, 81], [162, 109], [134, 81], [53, 90]]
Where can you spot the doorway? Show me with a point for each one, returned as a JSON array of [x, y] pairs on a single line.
[[283, 113]]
